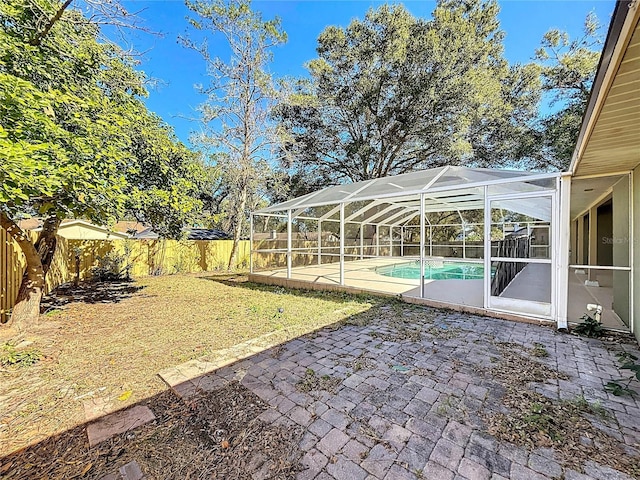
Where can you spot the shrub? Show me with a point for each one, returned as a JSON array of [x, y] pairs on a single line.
[[111, 267], [589, 327], [10, 356]]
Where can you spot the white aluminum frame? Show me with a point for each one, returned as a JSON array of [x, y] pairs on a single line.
[[559, 238], [519, 306]]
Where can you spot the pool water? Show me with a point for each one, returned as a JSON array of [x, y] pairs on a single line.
[[449, 270]]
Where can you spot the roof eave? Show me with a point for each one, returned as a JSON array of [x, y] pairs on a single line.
[[612, 52]]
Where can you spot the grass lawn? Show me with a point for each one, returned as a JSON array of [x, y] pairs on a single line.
[[110, 341]]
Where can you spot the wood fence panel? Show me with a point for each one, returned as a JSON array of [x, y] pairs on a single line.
[[12, 265]]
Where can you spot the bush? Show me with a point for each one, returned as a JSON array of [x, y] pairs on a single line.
[[589, 327], [11, 357], [112, 267]]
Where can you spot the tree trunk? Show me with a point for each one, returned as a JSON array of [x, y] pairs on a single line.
[[26, 310], [47, 242], [237, 231]]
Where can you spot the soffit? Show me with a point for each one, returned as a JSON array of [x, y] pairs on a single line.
[[614, 144], [588, 192]]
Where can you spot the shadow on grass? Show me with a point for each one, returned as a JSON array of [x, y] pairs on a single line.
[[179, 443], [187, 438], [200, 432], [241, 281], [183, 440], [89, 292]]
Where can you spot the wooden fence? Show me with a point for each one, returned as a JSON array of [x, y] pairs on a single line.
[[144, 257], [11, 268]]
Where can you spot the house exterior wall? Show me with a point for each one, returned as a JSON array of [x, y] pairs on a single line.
[[619, 243], [84, 232], [635, 249]]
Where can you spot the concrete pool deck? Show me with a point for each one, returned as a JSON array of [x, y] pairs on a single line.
[[467, 295]]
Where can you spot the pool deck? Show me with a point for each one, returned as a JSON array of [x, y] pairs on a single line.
[[361, 275], [465, 295]]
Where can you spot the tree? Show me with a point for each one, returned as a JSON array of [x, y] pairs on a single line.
[[238, 132], [392, 93], [568, 68], [76, 140]]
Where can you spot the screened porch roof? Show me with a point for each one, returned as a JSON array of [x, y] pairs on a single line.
[[448, 188]]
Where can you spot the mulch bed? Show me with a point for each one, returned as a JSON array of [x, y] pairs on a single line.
[[215, 435]]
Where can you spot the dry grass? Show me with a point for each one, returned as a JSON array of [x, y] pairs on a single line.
[[215, 435], [107, 340]]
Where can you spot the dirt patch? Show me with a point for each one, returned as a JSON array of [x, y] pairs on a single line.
[[216, 435], [576, 429], [226, 421], [399, 335], [516, 369], [444, 333], [361, 362]]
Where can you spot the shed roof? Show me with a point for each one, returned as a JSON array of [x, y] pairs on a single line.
[[74, 229], [207, 234]]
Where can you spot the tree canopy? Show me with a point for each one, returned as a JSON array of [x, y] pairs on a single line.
[[392, 93], [238, 132], [75, 137], [568, 68], [78, 139]]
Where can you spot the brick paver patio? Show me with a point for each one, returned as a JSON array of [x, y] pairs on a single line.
[[406, 400]]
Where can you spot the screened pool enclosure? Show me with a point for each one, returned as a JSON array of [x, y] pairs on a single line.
[[478, 239]]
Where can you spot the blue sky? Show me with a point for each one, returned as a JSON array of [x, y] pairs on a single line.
[[177, 69]]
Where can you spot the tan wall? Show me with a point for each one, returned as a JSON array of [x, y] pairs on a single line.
[[635, 261], [86, 232], [146, 257]]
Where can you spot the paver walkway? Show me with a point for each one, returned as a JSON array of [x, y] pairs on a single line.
[[391, 400]]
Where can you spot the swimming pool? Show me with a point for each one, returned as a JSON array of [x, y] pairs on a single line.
[[446, 271]]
